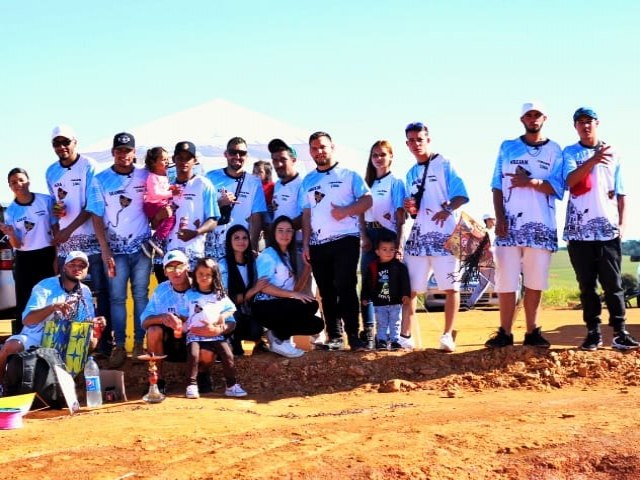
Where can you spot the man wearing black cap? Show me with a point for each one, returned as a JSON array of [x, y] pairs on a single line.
[[594, 224], [122, 227], [195, 206]]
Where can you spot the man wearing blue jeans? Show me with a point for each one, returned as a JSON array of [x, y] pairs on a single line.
[[122, 227], [70, 183]]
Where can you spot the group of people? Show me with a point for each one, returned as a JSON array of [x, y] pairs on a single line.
[[200, 235]]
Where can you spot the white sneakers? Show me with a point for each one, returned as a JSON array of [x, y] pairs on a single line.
[[235, 391], [286, 348], [192, 391], [406, 342], [447, 344]]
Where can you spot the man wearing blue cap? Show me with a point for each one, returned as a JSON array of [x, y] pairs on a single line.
[[594, 223]]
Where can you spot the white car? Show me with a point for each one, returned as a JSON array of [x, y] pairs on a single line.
[[434, 298]]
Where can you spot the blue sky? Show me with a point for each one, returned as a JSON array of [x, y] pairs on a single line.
[[360, 70]]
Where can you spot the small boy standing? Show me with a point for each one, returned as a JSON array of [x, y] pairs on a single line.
[[386, 284]]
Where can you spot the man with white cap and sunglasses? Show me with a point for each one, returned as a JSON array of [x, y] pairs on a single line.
[[527, 180], [65, 295], [69, 181]]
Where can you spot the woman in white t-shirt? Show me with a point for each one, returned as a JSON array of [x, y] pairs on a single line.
[[29, 223], [238, 268], [281, 307]]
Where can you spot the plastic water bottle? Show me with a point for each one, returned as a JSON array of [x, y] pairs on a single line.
[[92, 379]]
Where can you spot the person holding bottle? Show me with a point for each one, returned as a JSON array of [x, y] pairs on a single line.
[[64, 295]]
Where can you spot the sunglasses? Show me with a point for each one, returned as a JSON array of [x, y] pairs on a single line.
[[61, 143], [233, 152], [176, 269]]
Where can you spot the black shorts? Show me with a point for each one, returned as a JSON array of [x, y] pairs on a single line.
[[174, 348]]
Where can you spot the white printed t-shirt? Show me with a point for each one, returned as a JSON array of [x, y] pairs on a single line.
[[338, 186], [197, 203], [197, 302], [165, 299], [593, 215], [442, 184], [287, 200], [250, 200], [530, 214], [279, 273], [122, 198], [32, 222], [388, 196], [74, 186]]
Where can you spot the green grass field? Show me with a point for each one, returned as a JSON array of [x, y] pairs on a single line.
[[563, 288]]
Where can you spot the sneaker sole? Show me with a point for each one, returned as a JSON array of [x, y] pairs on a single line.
[[624, 347], [591, 349]]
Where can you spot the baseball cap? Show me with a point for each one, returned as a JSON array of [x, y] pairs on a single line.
[[124, 139], [487, 216], [278, 145], [185, 147], [76, 255], [63, 131], [585, 112], [175, 256], [533, 105]]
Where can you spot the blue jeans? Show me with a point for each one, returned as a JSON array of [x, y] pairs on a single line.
[[388, 320], [134, 267], [366, 258]]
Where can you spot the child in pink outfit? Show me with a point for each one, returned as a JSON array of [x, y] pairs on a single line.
[[158, 194]]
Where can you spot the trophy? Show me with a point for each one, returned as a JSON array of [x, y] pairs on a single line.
[[154, 395]]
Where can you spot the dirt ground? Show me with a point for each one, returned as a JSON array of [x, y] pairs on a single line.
[[517, 413]]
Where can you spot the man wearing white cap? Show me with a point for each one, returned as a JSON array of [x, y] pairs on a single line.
[[594, 225], [69, 181], [527, 180], [164, 314], [64, 294]]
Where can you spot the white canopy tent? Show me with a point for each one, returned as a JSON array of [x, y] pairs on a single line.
[[210, 125]]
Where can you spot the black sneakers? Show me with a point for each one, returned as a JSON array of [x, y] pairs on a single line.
[[592, 342], [499, 339], [623, 341], [535, 339], [381, 345]]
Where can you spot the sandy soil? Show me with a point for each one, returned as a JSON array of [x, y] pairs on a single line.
[[517, 413]]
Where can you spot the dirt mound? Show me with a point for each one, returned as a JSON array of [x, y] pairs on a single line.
[[320, 372]]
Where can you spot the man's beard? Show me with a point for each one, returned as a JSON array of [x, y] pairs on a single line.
[[532, 129], [70, 278]]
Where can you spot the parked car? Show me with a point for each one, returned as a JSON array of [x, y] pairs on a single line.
[[434, 298], [7, 283]]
